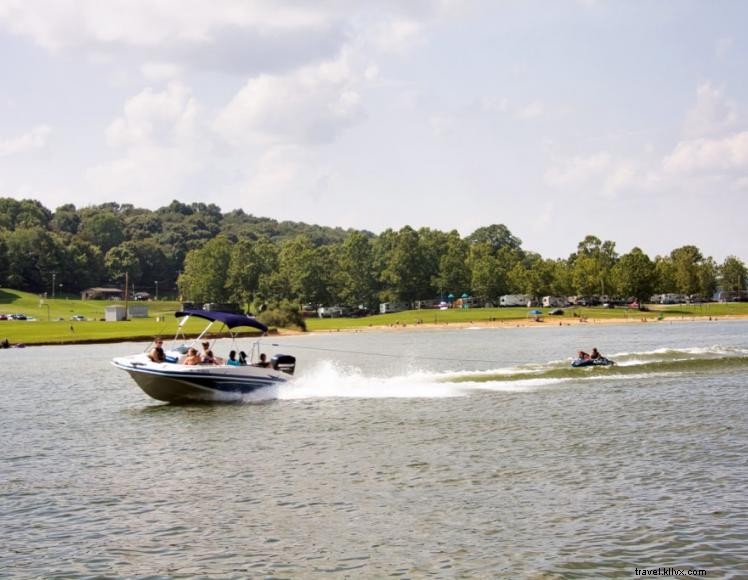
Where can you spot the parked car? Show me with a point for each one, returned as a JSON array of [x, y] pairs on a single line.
[[3, 317], [17, 316], [78, 317]]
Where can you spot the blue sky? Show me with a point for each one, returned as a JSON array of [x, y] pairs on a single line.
[[626, 120]]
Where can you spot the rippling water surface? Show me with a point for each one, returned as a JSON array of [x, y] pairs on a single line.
[[460, 453]]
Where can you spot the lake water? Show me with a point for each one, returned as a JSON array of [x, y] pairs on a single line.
[[470, 453]]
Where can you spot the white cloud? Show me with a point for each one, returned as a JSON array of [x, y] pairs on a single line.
[[599, 173], [160, 71], [709, 155], [530, 111], [161, 143], [33, 140], [57, 24], [442, 125], [151, 116], [713, 114], [310, 105]]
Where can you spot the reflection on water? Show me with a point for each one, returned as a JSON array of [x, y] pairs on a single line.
[[517, 467]]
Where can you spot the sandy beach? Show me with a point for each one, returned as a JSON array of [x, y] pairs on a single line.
[[545, 322]]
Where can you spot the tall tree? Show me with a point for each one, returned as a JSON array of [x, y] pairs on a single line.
[[454, 273], [733, 275], [357, 275], [103, 229], [634, 275], [488, 278], [686, 264], [497, 236], [204, 275]]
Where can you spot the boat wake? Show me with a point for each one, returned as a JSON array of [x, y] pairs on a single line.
[[627, 365], [328, 380]]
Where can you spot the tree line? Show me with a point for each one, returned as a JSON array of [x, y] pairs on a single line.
[[197, 253]]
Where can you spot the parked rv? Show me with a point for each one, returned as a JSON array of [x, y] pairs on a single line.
[[514, 300]]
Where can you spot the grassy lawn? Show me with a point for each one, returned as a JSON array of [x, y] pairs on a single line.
[[53, 322]]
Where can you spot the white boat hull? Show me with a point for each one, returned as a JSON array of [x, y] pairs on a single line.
[[176, 383]]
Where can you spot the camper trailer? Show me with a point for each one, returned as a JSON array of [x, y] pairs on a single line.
[[514, 300], [553, 301], [387, 307]]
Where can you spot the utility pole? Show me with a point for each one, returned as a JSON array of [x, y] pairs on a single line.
[[54, 274]]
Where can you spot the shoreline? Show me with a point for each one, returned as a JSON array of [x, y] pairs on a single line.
[[507, 324], [510, 324]]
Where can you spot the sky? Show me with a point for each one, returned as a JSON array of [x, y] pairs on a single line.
[[627, 120]]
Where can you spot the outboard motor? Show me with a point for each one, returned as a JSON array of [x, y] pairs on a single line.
[[284, 363]]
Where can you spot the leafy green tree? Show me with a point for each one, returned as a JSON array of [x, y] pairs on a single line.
[[591, 266], [708, 273], [733, 274], [3, 258], [142, 225], [497, 236], [155, 265], [357, 275], [26, 214], [532, 276], [103, 229], [305, 270], [123, 262], [634, 275], [665, 275], [454, 272], [487, 277], [251, 261], [83, 265], [687, 261], [404, 276], [33, 254], [204, 275], [65, 219]]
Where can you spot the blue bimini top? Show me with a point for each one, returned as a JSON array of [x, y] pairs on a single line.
[[230, 319]]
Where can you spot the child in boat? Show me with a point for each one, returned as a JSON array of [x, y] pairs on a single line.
[[583, 355], [232, 359], [192, 357]]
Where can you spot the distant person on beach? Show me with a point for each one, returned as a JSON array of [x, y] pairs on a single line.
[[157, 352]]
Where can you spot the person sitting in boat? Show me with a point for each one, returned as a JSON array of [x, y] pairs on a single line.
[[242, 358], [583, 355], [263, 362], [156, 354], [595, 354], [232, 359], [208, 357], [193, 358]]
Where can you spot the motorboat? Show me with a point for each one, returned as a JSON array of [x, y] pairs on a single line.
[[592, 362], [175, 382]]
